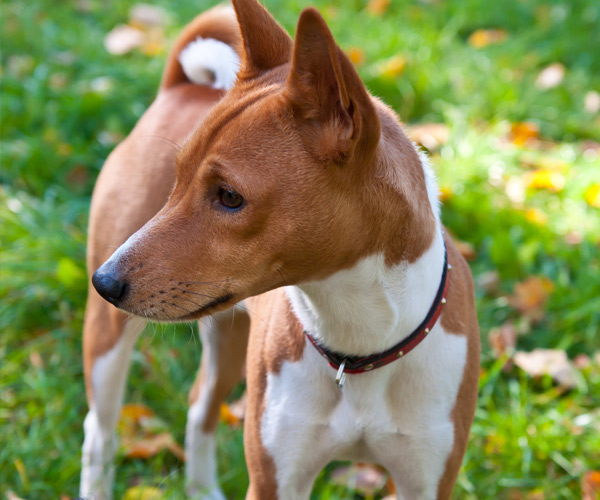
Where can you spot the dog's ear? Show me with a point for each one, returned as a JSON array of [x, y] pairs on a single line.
[[265, 43], [327, 95]]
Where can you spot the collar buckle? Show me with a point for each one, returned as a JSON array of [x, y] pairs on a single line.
[[340, 378]]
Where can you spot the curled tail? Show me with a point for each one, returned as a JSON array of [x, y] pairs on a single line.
[[206, 52]]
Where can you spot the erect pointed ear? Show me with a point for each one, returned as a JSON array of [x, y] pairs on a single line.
[[265, 43], [327, 94]]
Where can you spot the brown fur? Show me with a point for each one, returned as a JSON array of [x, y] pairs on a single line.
[[328, 178]]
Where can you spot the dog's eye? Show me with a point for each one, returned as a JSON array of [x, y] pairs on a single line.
[[230, 199]]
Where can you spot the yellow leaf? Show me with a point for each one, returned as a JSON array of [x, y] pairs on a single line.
[[521, 132], [545, 179], [228, 417], [445, 193], [378, 7], [483, 38], [356, 56], [592, 195], [536, 216], [143, 493], [393, 67], [135, 412]]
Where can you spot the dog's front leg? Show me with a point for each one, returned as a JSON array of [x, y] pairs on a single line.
[[108, 340], [224, 342]]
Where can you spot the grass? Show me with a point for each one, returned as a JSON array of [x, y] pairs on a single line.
[[66, 102]]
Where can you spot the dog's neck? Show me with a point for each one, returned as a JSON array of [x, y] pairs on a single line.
[[372, 306]]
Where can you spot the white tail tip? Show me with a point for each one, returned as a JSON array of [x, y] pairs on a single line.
[[210, 62]]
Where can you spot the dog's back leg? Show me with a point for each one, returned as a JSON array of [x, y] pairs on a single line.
[[108, 339], [224, 342]]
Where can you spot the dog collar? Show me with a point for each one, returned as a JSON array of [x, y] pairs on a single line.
[[361, 364]]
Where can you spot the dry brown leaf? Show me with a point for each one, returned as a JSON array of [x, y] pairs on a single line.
[[430, 135], [545, 179], [466, 249], [149, 446], [123, 39], [356, 56], [590, 485], [378, 7], [366, 479], [503, 339], [142, 493], [392, 68], [482, 38], [551, 362], [530, 296], [550, 77], [523, 132]]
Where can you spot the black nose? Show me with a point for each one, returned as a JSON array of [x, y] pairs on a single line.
[[108, 287]]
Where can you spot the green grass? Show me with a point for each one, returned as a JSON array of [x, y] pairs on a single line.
[[66, 102]]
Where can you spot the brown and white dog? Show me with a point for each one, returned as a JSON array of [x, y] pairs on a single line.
[[300, 194]]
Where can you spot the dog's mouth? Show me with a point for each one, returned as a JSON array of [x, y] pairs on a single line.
[[202, 311]]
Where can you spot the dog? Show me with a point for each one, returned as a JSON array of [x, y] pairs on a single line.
[[299, 194]]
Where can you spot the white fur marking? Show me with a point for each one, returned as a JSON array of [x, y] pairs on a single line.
[[210, 62], [433, 191], [200, 446], [109, 374]]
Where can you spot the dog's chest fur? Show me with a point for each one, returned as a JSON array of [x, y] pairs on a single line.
[[398, 414]]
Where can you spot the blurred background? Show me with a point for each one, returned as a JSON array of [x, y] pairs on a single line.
[[505, 96]]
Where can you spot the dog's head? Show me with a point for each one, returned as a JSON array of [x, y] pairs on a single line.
[[277, 186]]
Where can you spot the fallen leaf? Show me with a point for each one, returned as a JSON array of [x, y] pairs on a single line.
[[392, 68], [149, 446], [378, 7], [445, 193], [466, 249], [12, 496], [228, 417], [591, 102], [530, 296], [545, 179], [482, 38], [590, 485], [36, 360], [430, 135], [536, 216], [522, 132], [489, 282], [123, 39], [582, 361], [366, 479], [144, 16], [143, 493], [550, 77], [552, 362], [356, 56], [503, 339], [134, 412], [592, 195]]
